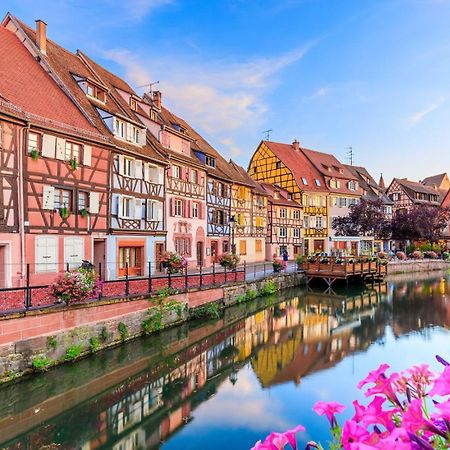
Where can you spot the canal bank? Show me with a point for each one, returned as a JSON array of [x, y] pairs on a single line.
[[39, 340], [417, 265]]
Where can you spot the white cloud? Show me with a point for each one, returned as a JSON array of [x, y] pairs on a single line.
[[420, 115], [216, 97], [138, 9], [321, 92]]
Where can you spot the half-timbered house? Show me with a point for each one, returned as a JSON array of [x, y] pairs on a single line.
[[283, 223], [136, 228], [62, 162]]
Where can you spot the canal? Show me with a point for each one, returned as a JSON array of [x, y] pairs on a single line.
[[224, 384]]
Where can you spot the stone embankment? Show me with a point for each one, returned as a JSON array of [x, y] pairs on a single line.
[[39, 340], [420, 265]]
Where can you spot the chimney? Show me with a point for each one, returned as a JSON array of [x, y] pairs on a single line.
[[41, 36], [296, 145], [157, 99]]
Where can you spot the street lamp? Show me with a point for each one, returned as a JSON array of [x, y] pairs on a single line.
[[232, 223]]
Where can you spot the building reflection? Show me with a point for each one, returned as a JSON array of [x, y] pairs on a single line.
[[283, 343]]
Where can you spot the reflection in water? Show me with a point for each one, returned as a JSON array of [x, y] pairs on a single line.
[[139, 395]]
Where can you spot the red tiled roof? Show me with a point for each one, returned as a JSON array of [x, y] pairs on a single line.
[[284, 195], [24, 83]]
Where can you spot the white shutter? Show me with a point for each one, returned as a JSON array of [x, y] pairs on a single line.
[[160, 174], [159, 211], [48, 197], [46, 254], [129, 131], [137, 208], [60, 149], [94, 202], [73, 251], [121, 164], [146, 171], [138, 168], [87, 155], [150, 206], [48, 146], [142, 137], [119, 206]]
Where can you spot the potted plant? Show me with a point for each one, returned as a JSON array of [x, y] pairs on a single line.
[[229, 260], [34, 154], [311, 259], [338, 260], [299, 261], [173, 262], [324, 260], [277, 265], [64, 212], [84, 213], [73, 164]]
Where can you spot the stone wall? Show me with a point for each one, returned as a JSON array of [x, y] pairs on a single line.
[[421, 265], [49, 338]]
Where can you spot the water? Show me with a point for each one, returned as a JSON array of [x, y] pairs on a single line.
[[227, 383]]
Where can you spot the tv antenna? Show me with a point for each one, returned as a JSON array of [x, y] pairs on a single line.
[[150, 86], [268, 133], [350, 155]]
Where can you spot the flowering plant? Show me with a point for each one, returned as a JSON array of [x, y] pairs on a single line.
[[277, 265], [173, 262], [76, 286], [229, 260], [430, 255], [382, 255], [408, 410], [417, 254], [311, 259], [401, 256]]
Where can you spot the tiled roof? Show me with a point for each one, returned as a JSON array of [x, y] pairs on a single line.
[[25, 84], [299, 165], [434, 180], [240, 176], [413, 187], [283, 200], [328, 165]]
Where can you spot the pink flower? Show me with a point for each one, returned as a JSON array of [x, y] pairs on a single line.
[[352, 433], [444, 409], [442, 383], [359, 411], [328, 409], [291, 435], [374, 375], [375, 415], [413, 419]]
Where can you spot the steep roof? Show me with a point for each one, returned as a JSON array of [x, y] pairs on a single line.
[[299, 165], [435, 180], [413, 187], [283, 199], [240, 176], [24, 84], [328, 165]]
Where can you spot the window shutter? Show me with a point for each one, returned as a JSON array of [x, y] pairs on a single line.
[[159, 211], [60, 148], [119, 206], [187, 208], [150, 207], [121, 164], [129, 131], [172, 207], [87, 155], [46, 254], [48, 197], [94, 203], [160, 175], [48, 146], [201, 210], [138, 169], [142, 137], [137, 208], [146, 172]]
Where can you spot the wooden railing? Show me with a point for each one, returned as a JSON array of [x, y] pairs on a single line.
[[344, 265]]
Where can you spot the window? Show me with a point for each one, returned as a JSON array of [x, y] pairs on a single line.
[[352, 185], [33, 142], [194, 176], [296, 214], [243, 247], [220, 190], [135, 134], [154, 210], [289, 196], [178, 208], [183, 246], [62, 199], [278, 164], [72, 151], [46, 254], [240, 219], [195, 210], [95, 92], [128, 165], [121, 129], [133, 104], [319, 222], [333, 183], [176, 171], [82, 200], [210, 161], [258, 246], [127, 207], [132, 256], [276, 195], [317, 182], [259, 222], [296, 232], [306, 222], [165, 139], [283, 232], [225, 247], [305, 181], [154, 116], [283, 213]]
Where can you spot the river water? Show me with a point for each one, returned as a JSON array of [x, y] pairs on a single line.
[[225, 384]]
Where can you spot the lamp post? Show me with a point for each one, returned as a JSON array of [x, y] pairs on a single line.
[[232, 223]]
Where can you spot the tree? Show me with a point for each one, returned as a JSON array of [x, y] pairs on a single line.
[[420, 222], [366, 218]]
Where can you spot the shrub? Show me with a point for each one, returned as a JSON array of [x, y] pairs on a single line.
[[251, 294], [210, 310], [430, 255], [104, 334], [123, 330], [75, 286], [446, 256], [299, 260], [417, 254], [241, 298], [73, 352], [166, 292], [41, 363], [52, 342], [382, 255], [277, 265], [94, 344], [228, 260], [401, 256], [153, 322], [173, 262], [410, 249], [269, 288]]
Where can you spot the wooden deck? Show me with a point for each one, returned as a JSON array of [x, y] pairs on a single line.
[[346, 269]]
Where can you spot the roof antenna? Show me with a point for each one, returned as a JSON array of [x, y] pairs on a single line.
[[150, 86], [267, 133], [350, 155]]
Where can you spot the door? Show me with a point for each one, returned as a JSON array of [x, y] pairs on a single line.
[[159, 250], [132, 256], [3, 276], [199, 253], [213, 251], [100, 257], [319, 245]]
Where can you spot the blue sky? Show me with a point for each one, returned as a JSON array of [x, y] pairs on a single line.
[[371, 74]]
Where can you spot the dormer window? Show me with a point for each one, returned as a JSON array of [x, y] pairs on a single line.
[[289, 196], [210, 161], [317, 182], [154, 115], [95, 92], [276, 195], [129, 132], [133, 104], [121, 129], [305, 181], [352, 185]]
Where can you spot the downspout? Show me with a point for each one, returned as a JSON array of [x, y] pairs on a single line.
[[20, 199]]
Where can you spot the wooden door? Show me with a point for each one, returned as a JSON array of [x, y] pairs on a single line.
[[213, 251], [132, 256], [100, 257], [200, 253], [159, 250]]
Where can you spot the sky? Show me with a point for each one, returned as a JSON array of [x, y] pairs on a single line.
[[373, 75]]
